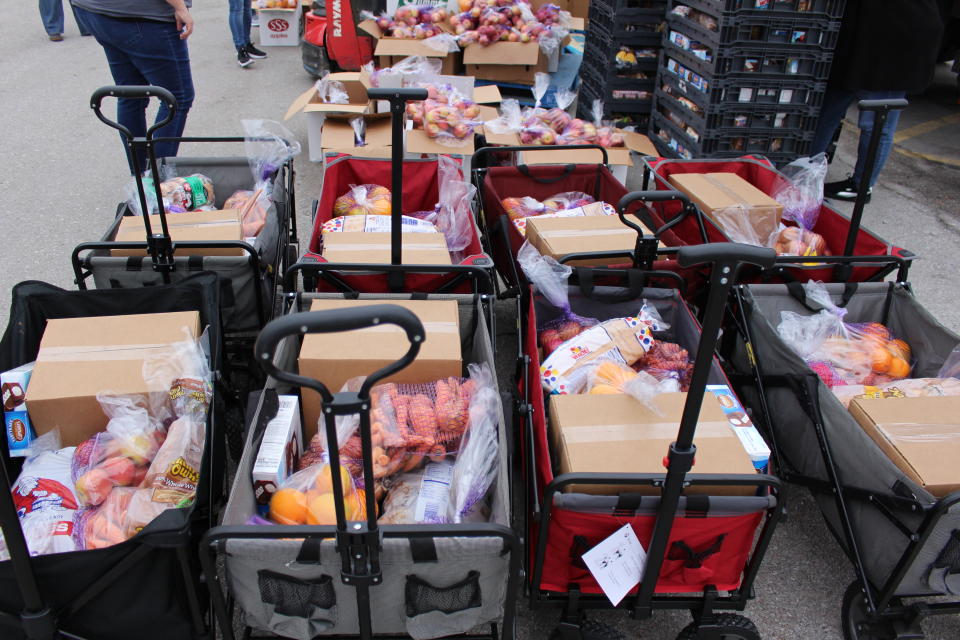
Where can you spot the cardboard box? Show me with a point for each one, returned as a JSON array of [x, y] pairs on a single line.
[[513, 62], [723, 197], [392, 50], [617, 434], [199, 226], [579, 9], [280, 449], [279, 27], [557, 237], [335, 358], [634, 142], [919, 435], [339, 136], [360, 247], [81, 357], [13, 386]]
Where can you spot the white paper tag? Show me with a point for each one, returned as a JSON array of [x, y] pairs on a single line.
[[434, 491], [617, 563]]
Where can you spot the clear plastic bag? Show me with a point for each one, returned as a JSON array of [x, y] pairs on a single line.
[[254, 214], [180, 194], [801, 193], [797, 241], [454, 212], [510, 120], [450, 123], [268, 145], [106, 524], [442, 42], [359, 126], [541, 83], [668, 361], [908, 388], [307, 497], [549, 278], [951, 367], [330, 91], [478, 460], [364, 199]]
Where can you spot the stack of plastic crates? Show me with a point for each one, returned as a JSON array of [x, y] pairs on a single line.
[[620, 59], [743, 76]]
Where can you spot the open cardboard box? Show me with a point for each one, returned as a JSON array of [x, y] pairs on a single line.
[[539, 154], [199, 226], [617, 434], [513, 62], [338, 136], [392, 50], [919, 435]]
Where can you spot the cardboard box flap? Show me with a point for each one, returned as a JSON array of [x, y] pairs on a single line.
[[300, 103], [407, 47], [577, 24], [920, 435], [639, 143], [371, 27], [635, 142], [506, 53], [419, 142], [488, 113], [339, 134], [487, 94], [349, 109]]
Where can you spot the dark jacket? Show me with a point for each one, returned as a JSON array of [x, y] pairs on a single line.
[[887, 45]]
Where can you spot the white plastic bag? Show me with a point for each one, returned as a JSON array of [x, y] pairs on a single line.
[[478, 460], [801, 194], [510, 120]]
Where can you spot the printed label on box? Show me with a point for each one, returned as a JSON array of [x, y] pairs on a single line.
[[753, 443]]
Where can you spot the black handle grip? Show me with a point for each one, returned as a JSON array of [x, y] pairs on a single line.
[[894, 104], [133, 91], [482, 151], [403, 95], [330, 322], [729, 253], [651, 196]]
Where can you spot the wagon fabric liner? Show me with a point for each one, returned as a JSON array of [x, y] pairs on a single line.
[[795, 396], [761, 173], [292, 587], [150, 586], [421, 190], [239, 277], [721, 528]]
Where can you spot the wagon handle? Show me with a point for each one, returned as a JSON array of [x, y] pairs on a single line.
[[333, 321], [133, 91], [645, 251], [881, 111], [726, 254]]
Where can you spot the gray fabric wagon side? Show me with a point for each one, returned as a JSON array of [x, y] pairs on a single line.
[[468, 576], [859, 461], [241, 312]]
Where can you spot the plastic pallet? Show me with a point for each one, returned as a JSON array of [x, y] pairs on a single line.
[[767, 117], [774, 144], [797, 32], [831, 9], [743, 91]]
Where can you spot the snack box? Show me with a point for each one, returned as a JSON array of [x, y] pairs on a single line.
[[199, 226], [81, 357], [725, 197], [360, 247], [13, 386], [557, 237], [618, 434], [280, 448], [335, 358]]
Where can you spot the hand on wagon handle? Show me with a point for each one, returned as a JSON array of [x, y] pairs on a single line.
[[183, 17]]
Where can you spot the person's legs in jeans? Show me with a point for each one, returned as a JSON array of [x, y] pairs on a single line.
[[51, 13], [865, 122], [81, 25], [835, 105], [240, 22]]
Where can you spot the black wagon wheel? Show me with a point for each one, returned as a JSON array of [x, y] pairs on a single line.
[[857, 624], [727, 626], [589, 630]]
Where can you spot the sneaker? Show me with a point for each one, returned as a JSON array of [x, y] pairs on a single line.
[[243, 58], [56, 37], [844, 190], [255, 53]]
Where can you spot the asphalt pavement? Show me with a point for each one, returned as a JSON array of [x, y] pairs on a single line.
[[62, 173]]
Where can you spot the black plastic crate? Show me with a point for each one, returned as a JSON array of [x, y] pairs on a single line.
[[765, 61], [613, 100], [741, 91], [604, 63], [794, 31], [770, 8], [627, 25], [778, 146]]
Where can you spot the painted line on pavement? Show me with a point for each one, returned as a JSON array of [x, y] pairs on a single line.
[[925, 127]]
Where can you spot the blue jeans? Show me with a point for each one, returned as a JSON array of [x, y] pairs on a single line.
[[241, 17], [835, 105], [51, 13], [145, 52]]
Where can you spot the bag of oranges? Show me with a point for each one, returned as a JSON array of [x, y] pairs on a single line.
[[307, 498], [363, 199]]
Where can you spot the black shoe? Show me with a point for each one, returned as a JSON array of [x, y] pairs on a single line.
[[255, 53], [844, 190], [243, 58]]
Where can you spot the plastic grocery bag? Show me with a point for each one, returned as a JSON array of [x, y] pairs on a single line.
[[801, 193], [331, 91], [453, 215], [951, 367], [364, 199], [510, 120], [478, 460], [307, 497]]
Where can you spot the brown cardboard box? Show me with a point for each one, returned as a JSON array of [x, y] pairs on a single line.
[[361, 247], [355, 83], [81, 357], [579, 9], [635, 142], [514, 62], [714, 192], [617, 434], [393, 50], [338, 136], [199, 226], [920, 435], [334, 358], [557, 237]]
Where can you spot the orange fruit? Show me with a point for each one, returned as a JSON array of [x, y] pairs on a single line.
[[288, 506], [899, 368], [324, 480], [899, 348], [322, 510], [881, 359]]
